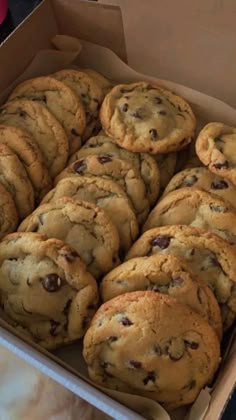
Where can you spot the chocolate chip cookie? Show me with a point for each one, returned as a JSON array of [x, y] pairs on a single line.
[[147, 118], [45, 289], [22, 144], [14, 178], [205, 180], [215, 147], [83, 226], [89, 93], [8, 212], [191, 206], [120, 171], [105, 194], [60, 100], [164, 274], [143, 162], [44, 128], [208, 255], [149, 344]]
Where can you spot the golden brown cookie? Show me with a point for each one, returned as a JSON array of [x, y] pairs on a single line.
[[143, 162], [105, 194], [22, 144], [45, 290], [194, 207], [149, 344], [63, 103], [208, 255], [165, 274], [117, 170], [83, 226], [147, 118], [44, 128], [215, 147]]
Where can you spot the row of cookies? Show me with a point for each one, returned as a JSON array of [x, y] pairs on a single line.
[[162, 366], [44, 120]]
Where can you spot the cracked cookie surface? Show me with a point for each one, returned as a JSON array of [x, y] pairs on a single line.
[[143, 162], [30, 155], [83, 226], [46, 291], [60, 100], [208, 255], [215, 147], [149, 344], [44, 128], [165, 274], [89, 93], [14, 178], [117, 170], [8, 212], [205, 180], [105, 194], [194, 207], [147, 118]]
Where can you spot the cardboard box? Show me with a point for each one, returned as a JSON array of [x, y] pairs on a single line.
[[186, 43]]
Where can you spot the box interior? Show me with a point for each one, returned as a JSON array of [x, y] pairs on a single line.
[[78, 18]]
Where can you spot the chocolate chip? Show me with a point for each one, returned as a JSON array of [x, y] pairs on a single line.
[[135, 364], [162, 112], [219, 185], [70, 257], [52, 282], [125, 107], [223, 165], [53, 328], [74, 132], [126, 321], [153, 133], [150, 377], [12, 259], [22, 114], [138, 113], [192, 252], [162, 241], [188, 182], [191, 344], [158, 100], [105, 366], [104, 159], [79, 166], [218, 209]]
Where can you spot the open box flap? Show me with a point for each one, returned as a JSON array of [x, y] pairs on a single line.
[[189, 42]]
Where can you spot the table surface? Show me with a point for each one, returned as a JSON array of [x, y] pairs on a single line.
[[18, 10]]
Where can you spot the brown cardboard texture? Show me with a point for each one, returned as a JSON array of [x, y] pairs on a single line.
[[102, 24]]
